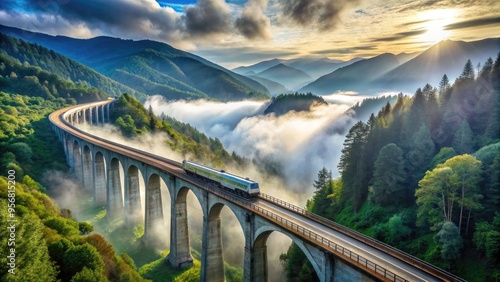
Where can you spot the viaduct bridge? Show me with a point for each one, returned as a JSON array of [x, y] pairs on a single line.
[[135, 184]]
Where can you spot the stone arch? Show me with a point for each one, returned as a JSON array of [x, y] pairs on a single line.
[[135, 196], [213, 263], [100, 195], [259, 251], [156, 213], [88, 177], [114, 207]]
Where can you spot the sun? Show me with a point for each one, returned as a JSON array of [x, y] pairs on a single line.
[[433, 22]]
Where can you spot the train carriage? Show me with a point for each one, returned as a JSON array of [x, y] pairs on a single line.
[[238, 185]]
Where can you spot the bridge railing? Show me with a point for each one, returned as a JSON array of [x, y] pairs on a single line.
[[365, 239], [311, 236]]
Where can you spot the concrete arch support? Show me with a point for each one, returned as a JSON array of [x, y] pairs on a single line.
[[114, 207], [88, 176], [77, 162], [212, 268], [154, 211], [133, 198], [100, 182], [180, 251]]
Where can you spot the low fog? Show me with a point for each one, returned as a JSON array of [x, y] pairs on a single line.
[[299, 144]]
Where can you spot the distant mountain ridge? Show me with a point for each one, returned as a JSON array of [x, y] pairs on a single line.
[[354, 77], [315, 67], [175, 74], [406, 72], [287, 76]]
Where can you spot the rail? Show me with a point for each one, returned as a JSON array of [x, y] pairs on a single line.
[[365, 239], [354, 258]]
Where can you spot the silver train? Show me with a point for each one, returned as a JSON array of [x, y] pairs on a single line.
[[238, 185]]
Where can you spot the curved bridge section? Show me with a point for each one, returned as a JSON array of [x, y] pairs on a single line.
[[136, 185]]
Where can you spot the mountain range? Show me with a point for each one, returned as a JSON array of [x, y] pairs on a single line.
[[150, 67], [403, 72]]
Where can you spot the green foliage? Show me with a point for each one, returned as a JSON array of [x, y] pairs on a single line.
[[32, 261], [88, 275], [134, 120], [297, 266], [463, 141], [444, 154], [35, 82], [78, 257], [298, 102], [37, 57], [351, 164], [450, 241], [85, 228], [431, 129], [397, 230], [389, 175]]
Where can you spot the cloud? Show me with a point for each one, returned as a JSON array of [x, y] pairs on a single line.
[[323, 14], [253, 23], [297, 144], [206, 18], [244, 55], [473, 23], [128, 19], [344, 50], [399, 36]]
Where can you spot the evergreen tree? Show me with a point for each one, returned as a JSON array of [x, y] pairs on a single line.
[[444, 85], [468, 72], [352, 167], [389, 174], [421, 151], [463, 141], [450, 241], [324, 178]]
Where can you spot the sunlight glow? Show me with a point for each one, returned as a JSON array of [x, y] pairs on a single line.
[[434, 22]]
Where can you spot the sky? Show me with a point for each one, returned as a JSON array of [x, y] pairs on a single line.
[[242, 32]]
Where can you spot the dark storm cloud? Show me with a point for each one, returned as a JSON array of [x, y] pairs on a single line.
[[207, 17], [323, 14], [253, 23], [399, 36], [344, 50], [126, 18], [473, 23]]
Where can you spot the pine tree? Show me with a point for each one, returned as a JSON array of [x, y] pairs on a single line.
[[468, 71], [389, 174], [444, 85], [463, 141], [352, 166]]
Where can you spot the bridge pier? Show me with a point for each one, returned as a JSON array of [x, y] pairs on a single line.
[[88, 177], [133, 210], [100, 182], [77, 163], [180, 251], [114, 207], [154, 226], [212, 267]]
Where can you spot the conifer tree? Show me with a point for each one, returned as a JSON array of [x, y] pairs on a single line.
[[463, 141]]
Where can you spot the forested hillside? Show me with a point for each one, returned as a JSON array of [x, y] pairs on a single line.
[[133, 120], [29, 54], [151, 67], [424, 176], [285, 103]]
